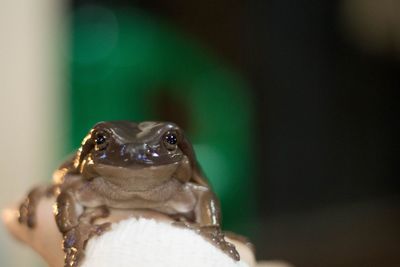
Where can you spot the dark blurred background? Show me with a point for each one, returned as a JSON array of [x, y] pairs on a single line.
[[319, 110], [292, 106]]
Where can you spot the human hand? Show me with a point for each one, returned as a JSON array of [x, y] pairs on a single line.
[[130, 242]]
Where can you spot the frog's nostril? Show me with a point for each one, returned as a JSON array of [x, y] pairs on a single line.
[[148, 152], [142, 157], [151, 152]]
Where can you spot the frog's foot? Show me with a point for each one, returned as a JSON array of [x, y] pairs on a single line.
[[242, 239], [75, 241], [214, 235], [217, 237], [90, 215], [27, 209], [75, 238]]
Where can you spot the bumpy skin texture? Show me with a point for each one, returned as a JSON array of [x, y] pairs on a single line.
[[127, 165]]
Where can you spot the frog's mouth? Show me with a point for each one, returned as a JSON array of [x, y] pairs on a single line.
[[136, 178]]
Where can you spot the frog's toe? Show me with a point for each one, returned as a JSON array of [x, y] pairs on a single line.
[[23, 213], [100, 229], [73, 244], [217, 238], [73, 257], [27, 209]]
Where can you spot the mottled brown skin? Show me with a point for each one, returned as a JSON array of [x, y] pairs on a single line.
[[125, 165]]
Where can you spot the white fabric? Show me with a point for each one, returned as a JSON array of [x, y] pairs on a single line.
[[148, 243]]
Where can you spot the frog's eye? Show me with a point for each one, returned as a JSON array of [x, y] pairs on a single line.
[[170, 140], [101, 140]]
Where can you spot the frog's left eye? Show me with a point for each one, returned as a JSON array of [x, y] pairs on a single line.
[[101, 140], [170, 140]]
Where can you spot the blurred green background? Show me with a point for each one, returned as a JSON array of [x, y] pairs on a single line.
[[129, 65]]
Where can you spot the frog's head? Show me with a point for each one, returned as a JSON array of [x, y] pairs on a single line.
[[136, 156]]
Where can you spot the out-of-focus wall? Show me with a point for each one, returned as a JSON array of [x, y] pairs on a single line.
[[31, 45]]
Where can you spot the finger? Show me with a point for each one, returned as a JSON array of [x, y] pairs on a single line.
[[44, 238]]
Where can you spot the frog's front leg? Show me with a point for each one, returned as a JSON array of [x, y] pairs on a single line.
[[76, 224], [27, 209], [207, 220]]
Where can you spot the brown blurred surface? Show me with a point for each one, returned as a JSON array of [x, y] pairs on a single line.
[[361, 234]]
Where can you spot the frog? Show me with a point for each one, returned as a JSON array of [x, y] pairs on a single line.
[[129, 165]]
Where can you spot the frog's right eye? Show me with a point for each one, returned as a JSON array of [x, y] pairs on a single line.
[[101, 140]]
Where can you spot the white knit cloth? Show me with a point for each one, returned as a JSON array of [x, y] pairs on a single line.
[[148, 243]]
